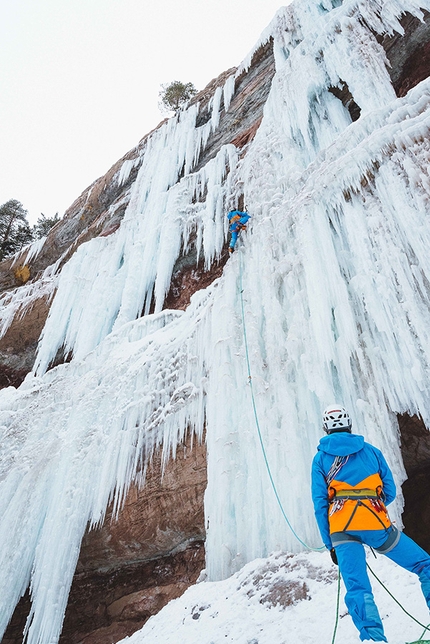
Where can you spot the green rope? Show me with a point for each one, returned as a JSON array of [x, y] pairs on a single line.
[[426, 628], [337, 608], [257, 421]]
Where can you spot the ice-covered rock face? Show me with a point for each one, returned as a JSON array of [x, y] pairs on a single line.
[[101, 207], [331, 280]]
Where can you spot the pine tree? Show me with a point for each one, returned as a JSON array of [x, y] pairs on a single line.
[[175, 94], [15, 231], [44, 224]]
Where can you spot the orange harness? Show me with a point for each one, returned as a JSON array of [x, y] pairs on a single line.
[[358, 507], [234, 224]]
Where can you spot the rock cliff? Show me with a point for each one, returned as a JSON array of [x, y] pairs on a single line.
[[131, 567]]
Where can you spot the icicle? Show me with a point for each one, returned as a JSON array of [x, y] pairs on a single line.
[[334, 273], [228, 91], [216, 108], [125, 170]]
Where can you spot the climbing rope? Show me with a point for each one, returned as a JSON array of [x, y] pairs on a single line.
[[260, 437], [422, 635], [263, 449], [337, 607], [426, 628]]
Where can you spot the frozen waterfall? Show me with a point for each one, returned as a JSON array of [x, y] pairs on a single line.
[[336, 283]]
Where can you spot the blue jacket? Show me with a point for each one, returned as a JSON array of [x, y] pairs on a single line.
[[240, 219], [364, 461]]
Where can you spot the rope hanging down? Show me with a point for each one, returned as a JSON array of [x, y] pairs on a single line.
[[426, 628], [260, 437], [337, 608], [263, 449], [266, 461]]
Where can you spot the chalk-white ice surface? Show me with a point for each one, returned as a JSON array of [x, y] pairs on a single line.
[[334, 272]]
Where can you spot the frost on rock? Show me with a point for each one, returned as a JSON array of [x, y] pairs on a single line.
[[31, 251], [15, 304], [334, 272]]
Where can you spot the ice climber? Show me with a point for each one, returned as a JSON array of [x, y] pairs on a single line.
[[351, 485], [238, 221]]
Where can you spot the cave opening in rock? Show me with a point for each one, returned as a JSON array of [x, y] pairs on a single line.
[[408, 53], [342, 92], [415, 448]]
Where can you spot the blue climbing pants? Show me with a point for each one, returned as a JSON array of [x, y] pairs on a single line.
[[352, 564], [234, 236]]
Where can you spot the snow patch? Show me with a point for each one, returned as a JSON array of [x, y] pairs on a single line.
[[284, 599]]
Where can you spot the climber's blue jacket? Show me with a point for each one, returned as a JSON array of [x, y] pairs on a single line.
[[349, 495], [237, 220]]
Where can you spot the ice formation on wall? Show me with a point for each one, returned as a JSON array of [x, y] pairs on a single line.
[[15, 303], [335, 276]]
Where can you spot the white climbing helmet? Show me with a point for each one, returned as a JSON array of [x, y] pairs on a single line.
[[336, 419]]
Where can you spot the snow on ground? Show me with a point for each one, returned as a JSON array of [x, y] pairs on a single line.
[[284, 599]]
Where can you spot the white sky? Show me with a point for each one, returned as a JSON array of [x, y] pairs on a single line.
[[79, 81]]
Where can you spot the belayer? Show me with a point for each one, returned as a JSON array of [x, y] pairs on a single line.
[[351, 486], [238, 221]]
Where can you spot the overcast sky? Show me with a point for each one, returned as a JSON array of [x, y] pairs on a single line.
[[79, 81]]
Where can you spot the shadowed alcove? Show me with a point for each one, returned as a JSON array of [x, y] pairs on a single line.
[[415, 447]]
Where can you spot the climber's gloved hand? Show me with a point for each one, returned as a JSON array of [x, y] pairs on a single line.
[[333, 556]]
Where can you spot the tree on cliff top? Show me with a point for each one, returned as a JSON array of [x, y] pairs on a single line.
[[175, 94], [44, 224], [15, 231]]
